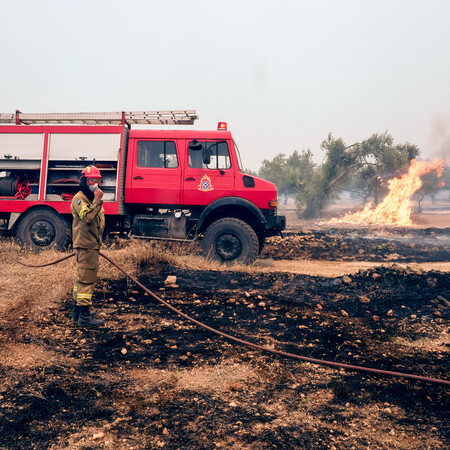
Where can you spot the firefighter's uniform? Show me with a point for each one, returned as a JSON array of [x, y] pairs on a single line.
[[87, 231]]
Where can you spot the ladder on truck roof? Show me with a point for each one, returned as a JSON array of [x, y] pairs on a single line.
[[181, 117]]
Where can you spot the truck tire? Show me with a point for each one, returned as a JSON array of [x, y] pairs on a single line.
[[230, 240], [42, 229]]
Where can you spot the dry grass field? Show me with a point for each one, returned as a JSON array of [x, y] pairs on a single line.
[[150, 379]]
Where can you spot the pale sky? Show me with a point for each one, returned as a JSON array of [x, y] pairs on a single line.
[[282, 73]]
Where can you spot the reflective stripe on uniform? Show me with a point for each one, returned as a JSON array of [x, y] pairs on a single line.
[[84, 295], [83, 210]]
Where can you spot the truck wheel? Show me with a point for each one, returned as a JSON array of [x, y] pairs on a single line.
[[42, 229], [230, 240]]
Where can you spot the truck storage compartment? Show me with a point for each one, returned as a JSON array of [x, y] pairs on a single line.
[[63, 179], [20, 182], [84, 147], [162, 227], [20, 165], [20, 146], [70, 153]]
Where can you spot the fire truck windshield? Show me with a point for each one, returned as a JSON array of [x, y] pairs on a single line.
[[238, 156]]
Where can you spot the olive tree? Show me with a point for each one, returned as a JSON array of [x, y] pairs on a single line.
[[366, 166]]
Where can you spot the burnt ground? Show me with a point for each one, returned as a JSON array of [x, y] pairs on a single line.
[[150, 379], [363, 244]]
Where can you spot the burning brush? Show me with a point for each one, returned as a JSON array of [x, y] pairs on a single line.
[[395, 209]]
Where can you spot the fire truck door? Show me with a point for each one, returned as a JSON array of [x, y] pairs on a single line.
[[203, 181], [156, 177]]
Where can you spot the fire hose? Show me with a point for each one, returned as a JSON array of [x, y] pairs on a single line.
[[66, 196], [247, 343], [14, 187]]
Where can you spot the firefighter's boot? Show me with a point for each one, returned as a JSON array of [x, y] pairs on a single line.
[[85, 319], [76, 312]]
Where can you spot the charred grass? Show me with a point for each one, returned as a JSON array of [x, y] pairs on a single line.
[[380, 244], [150, 379]]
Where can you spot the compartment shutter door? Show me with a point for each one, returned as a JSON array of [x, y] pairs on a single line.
[[88, 146], [21, 145]]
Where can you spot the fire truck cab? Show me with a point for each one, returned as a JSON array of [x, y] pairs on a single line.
[[157, 183]]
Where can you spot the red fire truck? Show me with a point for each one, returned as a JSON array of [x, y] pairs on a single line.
[[158, 183]]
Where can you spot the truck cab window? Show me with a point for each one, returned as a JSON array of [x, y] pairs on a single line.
[[218, 151], [161, 154]]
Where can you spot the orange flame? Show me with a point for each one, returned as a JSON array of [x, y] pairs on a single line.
[[395, 209]]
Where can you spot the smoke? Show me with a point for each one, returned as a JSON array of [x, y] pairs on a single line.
[[440, 137], [418, 237]]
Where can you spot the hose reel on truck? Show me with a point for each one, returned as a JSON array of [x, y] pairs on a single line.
[[14, 186]]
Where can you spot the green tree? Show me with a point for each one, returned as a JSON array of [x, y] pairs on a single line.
[[366, 166], [328, 179], [275, 170], [432, 183], [381, 160], [289, 174], [251, 172]]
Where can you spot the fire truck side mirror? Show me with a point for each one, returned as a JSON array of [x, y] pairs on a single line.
[[206, 152], [206, 155], [195, 145]]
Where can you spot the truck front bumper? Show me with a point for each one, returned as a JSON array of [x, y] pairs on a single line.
[[275, 224]]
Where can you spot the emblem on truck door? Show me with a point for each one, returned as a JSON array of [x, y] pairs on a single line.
[[205, 184]]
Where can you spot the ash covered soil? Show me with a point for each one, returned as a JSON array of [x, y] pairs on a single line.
[[362, 244], [150, 379]]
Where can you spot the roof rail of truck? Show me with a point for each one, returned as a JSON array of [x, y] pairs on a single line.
[[180, 117]]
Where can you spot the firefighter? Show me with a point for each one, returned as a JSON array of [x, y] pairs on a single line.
[[87, 231]]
